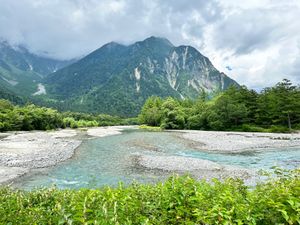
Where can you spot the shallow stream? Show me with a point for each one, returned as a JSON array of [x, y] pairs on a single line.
[[108, 160]]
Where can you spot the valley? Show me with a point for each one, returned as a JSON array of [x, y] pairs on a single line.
[[127, 112], [22, 71]]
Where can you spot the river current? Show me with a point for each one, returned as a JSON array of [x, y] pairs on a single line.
[[109, 160]]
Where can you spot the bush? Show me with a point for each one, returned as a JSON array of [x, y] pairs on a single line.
[[179, 200], [84, 123], [297, 127], [278, 129], [252, 128], [31, 117], [70, 122], [150, 128]]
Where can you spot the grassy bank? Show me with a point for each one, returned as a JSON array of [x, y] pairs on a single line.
[[180, 200]]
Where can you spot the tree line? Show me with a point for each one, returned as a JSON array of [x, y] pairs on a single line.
[[274, 109], [32, 117]]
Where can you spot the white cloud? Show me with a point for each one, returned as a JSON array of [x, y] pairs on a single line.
[[258, 39]]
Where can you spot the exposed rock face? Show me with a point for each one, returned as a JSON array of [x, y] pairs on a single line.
[[117, 79], [188, 71]]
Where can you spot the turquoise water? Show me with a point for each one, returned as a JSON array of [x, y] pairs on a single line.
[[108, 160]]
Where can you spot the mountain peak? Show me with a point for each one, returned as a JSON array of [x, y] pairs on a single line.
[[157, 46], [117, 79], [112, 44], [157, 40]]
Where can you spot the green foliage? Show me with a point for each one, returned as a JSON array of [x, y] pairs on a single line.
[[280, 105], [151, 112], [31, 117], [150, 128], [70, 122], [5, 105], [278, 129], [179, 200], [252, 128], [173, 115], [275, 109], [11, 96], [228, 110]]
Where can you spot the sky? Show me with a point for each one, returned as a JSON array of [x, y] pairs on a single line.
[[255, 42]]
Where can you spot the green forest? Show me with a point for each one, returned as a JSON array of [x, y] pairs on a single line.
[[275, 109], [32, 117]]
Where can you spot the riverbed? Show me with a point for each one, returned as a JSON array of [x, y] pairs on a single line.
[[104, 156]]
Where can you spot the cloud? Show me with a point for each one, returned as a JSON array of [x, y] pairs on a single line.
[[258, 38], [64, 29]]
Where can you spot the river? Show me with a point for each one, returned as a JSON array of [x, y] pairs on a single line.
[[109, 160]]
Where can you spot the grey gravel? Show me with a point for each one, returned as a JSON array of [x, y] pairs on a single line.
[[8, 174], [35, 150], [239, 141], [199, 168], [22, 151]]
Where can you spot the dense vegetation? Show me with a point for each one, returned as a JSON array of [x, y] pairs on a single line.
[[31, 117], [274, 109], [11, 96], [180, 200]]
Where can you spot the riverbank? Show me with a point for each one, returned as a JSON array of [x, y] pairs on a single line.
[[198, 168], [232, 142], [22, 151], [218, 142]]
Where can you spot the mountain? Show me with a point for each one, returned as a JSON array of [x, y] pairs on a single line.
[[22, 71], [117, 79], [11, 96]]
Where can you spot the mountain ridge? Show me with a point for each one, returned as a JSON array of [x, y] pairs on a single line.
[[22, 71], [118, 78]]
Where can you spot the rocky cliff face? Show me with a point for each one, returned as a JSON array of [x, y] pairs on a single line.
[[118, 79], [188, 72]]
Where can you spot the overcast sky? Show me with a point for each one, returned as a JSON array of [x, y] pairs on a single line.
[[256, 42]]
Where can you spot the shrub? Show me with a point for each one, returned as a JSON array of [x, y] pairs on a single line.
[[252, 128], [278, 129], [150, 128], [179, 200]]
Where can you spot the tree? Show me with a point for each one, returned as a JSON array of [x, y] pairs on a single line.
[[279, 105], [151, 112], [5, 105], [173, 115], [228, 111], [198, 116]]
